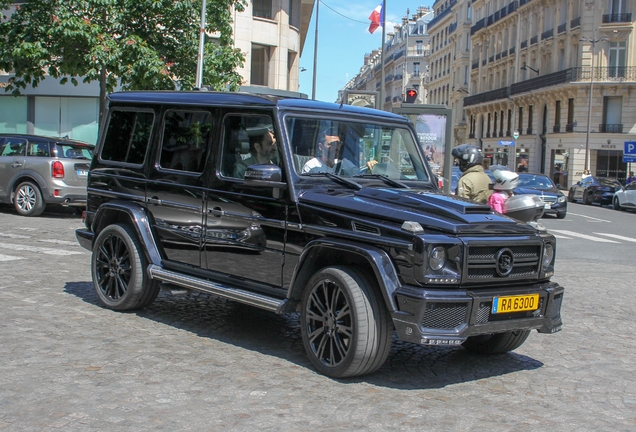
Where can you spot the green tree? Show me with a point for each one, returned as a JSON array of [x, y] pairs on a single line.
[[136, 44]]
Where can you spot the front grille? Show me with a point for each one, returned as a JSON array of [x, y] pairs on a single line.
[[482, 262], [548, 199], [484, 314], [444, 315]]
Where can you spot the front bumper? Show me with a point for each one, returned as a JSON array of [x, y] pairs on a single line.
[[449, 317]]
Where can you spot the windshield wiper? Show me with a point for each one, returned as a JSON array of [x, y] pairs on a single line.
[[338, 179], [385, 179]]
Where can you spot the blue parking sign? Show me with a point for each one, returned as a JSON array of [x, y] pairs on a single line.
[[629, 152]]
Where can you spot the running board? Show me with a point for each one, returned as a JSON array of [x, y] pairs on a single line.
[[253, 299]]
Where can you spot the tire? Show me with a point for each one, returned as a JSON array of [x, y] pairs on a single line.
[[571, 196], [497, 343], [28, 199], [616, 204], [118, 269], [345, 326], [586, 198], [561, 215]]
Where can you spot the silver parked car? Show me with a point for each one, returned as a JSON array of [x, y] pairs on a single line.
[[36, 171]]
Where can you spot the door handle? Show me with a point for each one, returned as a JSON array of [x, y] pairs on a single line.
[[153, 200], [16, 164], [216, 211]]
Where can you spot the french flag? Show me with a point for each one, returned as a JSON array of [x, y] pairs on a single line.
[[377, 18]]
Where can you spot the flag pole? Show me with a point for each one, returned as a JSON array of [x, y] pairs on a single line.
[[313, 85], [382, 55]]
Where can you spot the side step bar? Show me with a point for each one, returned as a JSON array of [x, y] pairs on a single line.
[[253, 299]]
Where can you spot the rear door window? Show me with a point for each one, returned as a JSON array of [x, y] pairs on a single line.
[[185, 140], [127, 136], [70, 151]]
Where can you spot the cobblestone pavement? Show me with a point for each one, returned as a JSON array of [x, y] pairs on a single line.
[[197, 362]]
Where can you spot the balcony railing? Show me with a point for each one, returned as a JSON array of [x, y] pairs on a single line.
[[605, 74], [511, 51], [576, 22], [529, 131], [524, 44], [569, 127], [610, 128], [556, 129], [500, 93], [534, 40], [613, 18], [475, 65], [513, 6], [547, 34], [562, 28], [442, 14], [478, 26], [452, 27]]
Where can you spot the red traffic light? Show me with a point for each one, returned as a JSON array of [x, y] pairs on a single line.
[[411, 95]]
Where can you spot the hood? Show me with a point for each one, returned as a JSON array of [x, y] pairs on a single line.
[[434, 211], [538, 191]]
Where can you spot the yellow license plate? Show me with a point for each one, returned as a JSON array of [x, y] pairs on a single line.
[[519, 303]]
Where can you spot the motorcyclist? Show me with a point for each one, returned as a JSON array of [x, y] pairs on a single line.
[[474, 184]]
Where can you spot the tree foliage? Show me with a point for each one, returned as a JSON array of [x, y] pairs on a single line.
[[133, 44]]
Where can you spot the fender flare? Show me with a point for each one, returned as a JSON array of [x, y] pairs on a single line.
[[33, 176], [381, 263], [138, 218]]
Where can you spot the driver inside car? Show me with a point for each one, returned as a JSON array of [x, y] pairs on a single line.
[[329, 158]]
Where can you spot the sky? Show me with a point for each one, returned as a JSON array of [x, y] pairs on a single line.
[[343, 40]]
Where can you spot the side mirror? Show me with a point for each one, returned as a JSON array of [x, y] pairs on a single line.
[[268, 175], [558, 185]]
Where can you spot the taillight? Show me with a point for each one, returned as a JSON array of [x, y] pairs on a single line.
[[57, 169]]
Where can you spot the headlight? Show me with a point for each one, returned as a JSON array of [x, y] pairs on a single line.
[[561, 198], [548, 254], [437, 258]]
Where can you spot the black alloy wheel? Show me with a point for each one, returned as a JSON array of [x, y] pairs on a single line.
[[571, 196], [587, 195], [345, 325], [118, 269]]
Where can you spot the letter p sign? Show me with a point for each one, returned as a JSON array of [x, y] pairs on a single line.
[[630, 148]]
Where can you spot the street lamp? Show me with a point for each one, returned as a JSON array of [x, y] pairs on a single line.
[[593, 41], [525, 67]]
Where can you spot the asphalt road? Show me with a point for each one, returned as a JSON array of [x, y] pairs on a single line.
[[197, 362]]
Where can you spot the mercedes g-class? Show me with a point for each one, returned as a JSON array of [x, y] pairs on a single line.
[[293, 205]]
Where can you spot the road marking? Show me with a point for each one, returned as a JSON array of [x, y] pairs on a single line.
[[62, 242], [618, 237], [584, 236], [9, 258], [48, 251], [14, 236], [589, 217]]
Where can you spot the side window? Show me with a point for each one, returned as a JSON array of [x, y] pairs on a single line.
[[39, 149], [185, 139], [13, 147], [247, 140], [127, 136]]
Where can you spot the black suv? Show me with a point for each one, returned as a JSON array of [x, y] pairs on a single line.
[[296, 205]]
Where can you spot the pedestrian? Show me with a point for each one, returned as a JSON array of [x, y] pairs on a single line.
[[586, 173], [630, 179], [473, 184], [523, 165], [505, 182]]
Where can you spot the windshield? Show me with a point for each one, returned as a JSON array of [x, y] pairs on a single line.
[[535, 181], [353, 149]]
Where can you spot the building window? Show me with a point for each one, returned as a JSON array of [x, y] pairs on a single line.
[[416, 69], [617, 59], [260, 65], [418, 47], [612, 114], [262, 8], [294, 13], [530, 120]]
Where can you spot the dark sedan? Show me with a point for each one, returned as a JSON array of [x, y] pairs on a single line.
[[592, 189], [542, 186]]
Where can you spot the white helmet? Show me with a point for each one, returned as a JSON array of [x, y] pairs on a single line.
[[505, 180]]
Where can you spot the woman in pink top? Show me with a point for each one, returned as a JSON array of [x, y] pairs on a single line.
[[504, 183]]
